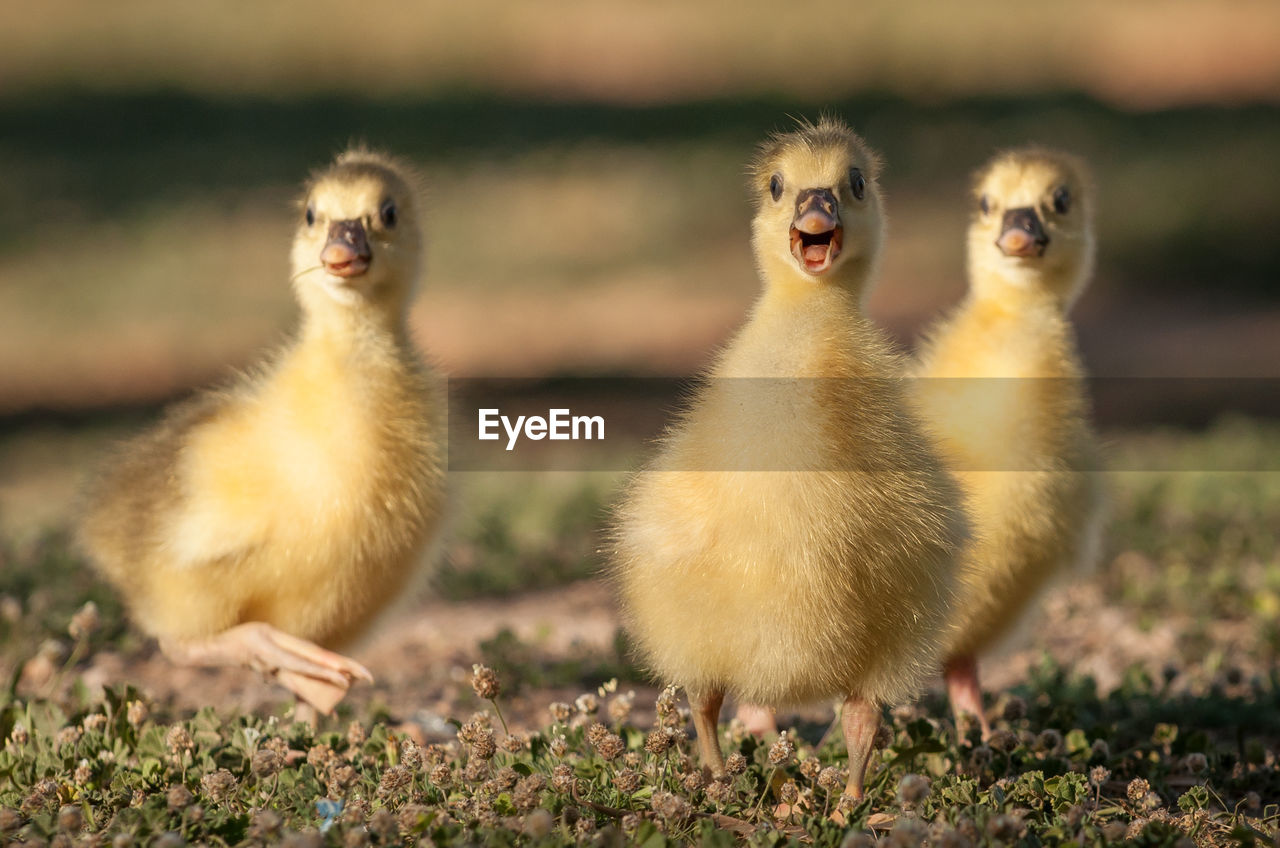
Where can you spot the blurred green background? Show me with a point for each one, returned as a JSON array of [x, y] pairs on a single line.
[[585, 160]]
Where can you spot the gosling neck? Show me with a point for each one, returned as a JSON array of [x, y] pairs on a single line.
[[376, 322], [785, 283]]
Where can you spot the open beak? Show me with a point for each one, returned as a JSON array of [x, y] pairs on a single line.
[[346, 253], [816, 234], [1022, 234]]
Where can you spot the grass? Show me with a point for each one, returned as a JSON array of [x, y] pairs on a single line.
[[1181, 751]]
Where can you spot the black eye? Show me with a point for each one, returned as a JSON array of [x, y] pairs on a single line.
[[984, 203], [388, 213], [1061, 200], [858, 183], [775, 186], [311, 214]]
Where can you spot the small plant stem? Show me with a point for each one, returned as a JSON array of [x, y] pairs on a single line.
[[755, 811], [498, 710]]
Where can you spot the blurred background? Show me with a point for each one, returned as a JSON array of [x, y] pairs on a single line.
[[587, 212]]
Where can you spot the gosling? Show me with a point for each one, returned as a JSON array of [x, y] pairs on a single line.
[[268, 523], [795, 538], [1002, 386]]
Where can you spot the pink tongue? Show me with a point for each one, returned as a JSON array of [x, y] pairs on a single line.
[[815, 253]]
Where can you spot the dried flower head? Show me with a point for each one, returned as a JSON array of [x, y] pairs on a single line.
[[475, 770], [410, 755], [1099, 775], [657, 742], [782, 752], [355, 811], [178, 798], [85, 622], [483, 746], [692, 782], [265, 824], [179, 741], [1015, 708], [627, 781], [721, 792], [528, 792], [355, 734], [912, 789], [587, 704], [70, 819], [596, 733], [485, 682], [1002, 740], [136, 713], [620, 707], [1137, 789], [907, 833], [1049, 741], [668, 806], [539, 823], [68, 736], [266, 763], [394, 780], [1100, 749], [831, 779], [514, 743], [10, 820], [610, 746], [340, 780], [789, 793], [562, 778], [665, 707], [441, 775], [320, 757], [83, 773], [735, 764], [219, 785], [559, 746], [19, 735], [94, 723], [1197, 762], [1005, 827], [560, 712], [384, 825]]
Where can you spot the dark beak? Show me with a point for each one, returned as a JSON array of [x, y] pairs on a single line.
[[816, 234], [346, 253], [1022, 233]]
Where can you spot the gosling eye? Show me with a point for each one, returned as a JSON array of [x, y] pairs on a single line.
[[984, 203], [388, 214], [858, 183], [775, 186], [1061, 200], [310, 215]]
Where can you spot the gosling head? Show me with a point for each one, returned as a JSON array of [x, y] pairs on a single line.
[[1032, 226], [819, 219], [358, 240]]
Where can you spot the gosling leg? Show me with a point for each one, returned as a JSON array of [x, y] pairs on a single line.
[[706, 717], [861, 720], [316, 676], [961, 674]]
